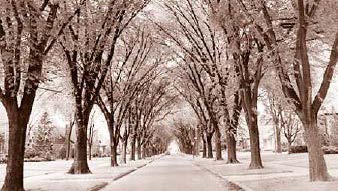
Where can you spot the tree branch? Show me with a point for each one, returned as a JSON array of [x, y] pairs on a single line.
[[324, 87]]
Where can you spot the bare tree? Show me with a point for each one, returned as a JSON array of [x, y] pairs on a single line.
[[123, 83], [258, 13], [290, 126], [89, 62], [26, 39], [185, 134]]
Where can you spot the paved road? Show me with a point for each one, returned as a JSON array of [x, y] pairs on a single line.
[[170, 173]]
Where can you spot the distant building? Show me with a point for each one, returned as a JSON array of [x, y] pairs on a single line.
[[4, 136], [328, 125]]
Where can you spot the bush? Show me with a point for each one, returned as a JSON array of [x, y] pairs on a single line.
[[35, 159], [61, 153], [330, 149], [298, 149], [303, 149], [30, 153]]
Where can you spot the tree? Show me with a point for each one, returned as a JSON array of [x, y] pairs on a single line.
[[246, 50], [275, 34], [307, 106], [124, 81], [89, 55], [196, 37], [290, 126], [204, 103], [42, 137], [185, 134], [157, 105], [128, 125], [26, 39], [275, 106], [68, 135], [192, 97]]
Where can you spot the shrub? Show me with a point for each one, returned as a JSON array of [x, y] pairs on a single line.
[[61, 154], [330, 149], [35, 159], [298, 149], [30, 153], [303, 149]]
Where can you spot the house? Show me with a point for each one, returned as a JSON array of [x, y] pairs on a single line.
[[3, 137]]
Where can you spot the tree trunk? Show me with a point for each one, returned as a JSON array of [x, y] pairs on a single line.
[[278, 140], [68, 136], [231, 144], [204, 154], [16, 148], [80, 164], [256, 161], [139, 149], [144, 151], [90, 151], [124, 152], [289, 146], [197, 142], [218, 144], [317, 164], [113, 153], [209, 145], [133, 148]]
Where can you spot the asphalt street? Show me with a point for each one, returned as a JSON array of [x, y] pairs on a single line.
[[170, 173]]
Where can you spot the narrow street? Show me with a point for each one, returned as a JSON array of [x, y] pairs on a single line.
[[170, 173]]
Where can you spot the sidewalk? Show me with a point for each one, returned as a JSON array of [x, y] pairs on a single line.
[[280, 172], [52, 176]]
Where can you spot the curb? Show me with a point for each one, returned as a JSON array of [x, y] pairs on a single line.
[[101, 186], [244, 187], [128, 172], [234, 185], [98, 187]]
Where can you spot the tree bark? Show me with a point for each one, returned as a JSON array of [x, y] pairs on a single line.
[[16, 147], [289, 146], [139, 148], [256, 161], [113, 153], [133, 148], [68, 136], [144, 151], [231, 144], [197, 142], [209, 145], [250, 107], [124, 151], [232, 132], [278, 139], [204, 154], [317, 165], [218, 144], [90, 152], [80, 164]]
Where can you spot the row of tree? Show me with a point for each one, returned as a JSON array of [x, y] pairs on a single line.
[[111, 59], [229, 52]]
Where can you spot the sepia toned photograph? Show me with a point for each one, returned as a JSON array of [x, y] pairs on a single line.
[[168, 95]]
